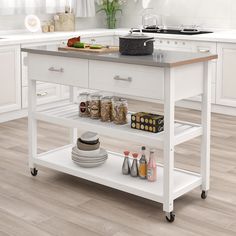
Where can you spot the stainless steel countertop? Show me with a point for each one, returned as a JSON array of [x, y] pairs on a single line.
[[160, 58]]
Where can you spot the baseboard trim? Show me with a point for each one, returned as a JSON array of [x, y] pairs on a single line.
[[224, 110]]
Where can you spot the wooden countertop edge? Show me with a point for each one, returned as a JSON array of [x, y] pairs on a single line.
[[192, 61]]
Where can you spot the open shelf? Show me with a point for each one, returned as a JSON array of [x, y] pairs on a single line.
[[110, 175], [67, 115]]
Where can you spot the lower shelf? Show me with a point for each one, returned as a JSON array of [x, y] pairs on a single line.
[[110, 175]]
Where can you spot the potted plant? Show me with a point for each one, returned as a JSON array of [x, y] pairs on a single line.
[[110, 7]]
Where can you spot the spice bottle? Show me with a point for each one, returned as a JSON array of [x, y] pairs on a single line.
[[106, 109], [143, 165], [120, 111], [134, 167], [83, 104], [152, 168], [126, 164], [95, 107]]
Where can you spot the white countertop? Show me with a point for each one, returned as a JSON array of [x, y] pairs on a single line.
[[228, 36], [25, 38]]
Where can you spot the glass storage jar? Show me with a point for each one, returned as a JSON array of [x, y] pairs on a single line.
[[83, 100], [106, 109], [120, 111], [95, 106]]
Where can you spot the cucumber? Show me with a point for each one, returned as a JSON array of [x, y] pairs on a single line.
[[96, 46], [79, 45]]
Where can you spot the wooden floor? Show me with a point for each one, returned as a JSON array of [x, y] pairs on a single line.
[[57, 204]]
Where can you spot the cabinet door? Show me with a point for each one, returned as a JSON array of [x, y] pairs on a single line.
[[46, 93], [226, 75], [10, 89]]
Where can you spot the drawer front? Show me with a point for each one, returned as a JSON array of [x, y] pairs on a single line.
[[46, 93], [24, 58], [60, 70], [127, 79]]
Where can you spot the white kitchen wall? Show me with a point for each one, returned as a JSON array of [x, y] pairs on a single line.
[[16, 22], [207, 13]]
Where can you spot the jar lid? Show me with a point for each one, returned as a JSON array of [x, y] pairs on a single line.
[[107, 98], [96, 95], [121, 101], [84, 94]]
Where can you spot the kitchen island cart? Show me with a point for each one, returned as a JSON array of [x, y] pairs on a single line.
[[164, 76]]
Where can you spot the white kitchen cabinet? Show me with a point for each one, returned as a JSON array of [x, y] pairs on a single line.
[[10, 89], [226, 75], [45, 92]]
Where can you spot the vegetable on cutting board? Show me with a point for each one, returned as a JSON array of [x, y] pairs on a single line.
[[79, 45], [95, 46]]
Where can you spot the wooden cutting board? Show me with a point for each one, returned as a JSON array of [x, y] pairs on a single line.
[[88, 50]]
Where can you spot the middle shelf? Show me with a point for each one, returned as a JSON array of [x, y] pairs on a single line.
[[67, 115]]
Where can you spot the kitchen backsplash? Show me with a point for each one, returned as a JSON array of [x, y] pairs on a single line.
[[16, 22], [206, 13]]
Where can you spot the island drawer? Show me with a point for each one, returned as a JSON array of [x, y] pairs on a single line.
[[127, 79], [60, 70]]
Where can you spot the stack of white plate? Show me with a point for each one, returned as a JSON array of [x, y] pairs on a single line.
[[89, 158]]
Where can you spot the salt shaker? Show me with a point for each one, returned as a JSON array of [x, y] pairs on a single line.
[[126, 164], [134, 167]]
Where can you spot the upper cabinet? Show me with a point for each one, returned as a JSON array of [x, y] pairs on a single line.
[[226, 75], [10, 89]]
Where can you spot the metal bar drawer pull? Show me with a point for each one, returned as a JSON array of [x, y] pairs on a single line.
[[61, 70], [204, 50], [43, 94], [129, 79]]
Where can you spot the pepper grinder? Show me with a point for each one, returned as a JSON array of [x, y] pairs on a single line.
[[126, 164], [134, 167]]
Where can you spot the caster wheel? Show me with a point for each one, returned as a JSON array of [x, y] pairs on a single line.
[[204, 195], [34, 172], [170, 217]]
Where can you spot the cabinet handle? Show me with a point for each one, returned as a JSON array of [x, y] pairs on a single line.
[[61, 70], [43, 94], [204, 50], [117, 77]]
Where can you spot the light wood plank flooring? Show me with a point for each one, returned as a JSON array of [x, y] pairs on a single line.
[[57, 204]]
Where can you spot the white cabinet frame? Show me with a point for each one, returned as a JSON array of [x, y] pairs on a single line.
[[221, 97], [15, 68], [172, 183]]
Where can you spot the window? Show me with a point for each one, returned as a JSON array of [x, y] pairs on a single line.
[[11, 7]]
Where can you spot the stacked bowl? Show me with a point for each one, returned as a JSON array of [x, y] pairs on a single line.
[[88, 153]]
